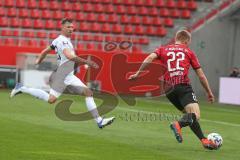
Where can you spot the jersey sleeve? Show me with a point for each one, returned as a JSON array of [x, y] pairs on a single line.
[[158, 51], [53, 45], [194, 61]]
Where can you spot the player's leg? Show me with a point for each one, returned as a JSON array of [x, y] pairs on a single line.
[[38, 93], [91, 105], [80, 88], [193, 112]]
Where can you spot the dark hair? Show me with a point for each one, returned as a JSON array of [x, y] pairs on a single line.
[[66, 20]]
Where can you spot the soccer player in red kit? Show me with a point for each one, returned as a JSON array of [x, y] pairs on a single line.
[[178, 58]]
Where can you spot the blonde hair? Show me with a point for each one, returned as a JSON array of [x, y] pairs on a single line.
[[183, 36]]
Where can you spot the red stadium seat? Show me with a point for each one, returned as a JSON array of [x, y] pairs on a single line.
[[149, 3], [99, 47], [28, 34], [58, 24], [50, 24], [12, 12], [164, 12], [128, 29], [23, 43], [90, 46], [116, 28], [160, 3], [53, 35], [135, 20], [15, 33], [90, 17], [69, 14], [131, 10], [47, 14], [170, 4], [87, 7], [175, 13], [181, 4], [150, 31], [186, 14], [43, 4], [112, 18], [83, 26], [109, 38], [143, 11], [26, 23], [106, 1], [57, 15], [23, 13], [2, 11], [66, 6], [98, 38], [34, 13], [20, 4], [54, 5], [9, 42], [137, 48], [14, 22], [87, 37], [143, 40], [6, 32], [3, 21], [128, 2], [139, 30], [192, 5], [106, 28], [38, 24], [120, 9], [80, 16], [43, 43], [77, 6], [161, 31], [139, 3], [157, 21], [9, 3], [168, 22], [109, 8], [124, 19], [33, 43], [95, 27], [153, 11], [102, 18], [146, 20], [80, 46], [41, 34], [32, 4], [98, 8], [116, 2]]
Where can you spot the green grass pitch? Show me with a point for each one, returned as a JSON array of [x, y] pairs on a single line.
[[30, 130]]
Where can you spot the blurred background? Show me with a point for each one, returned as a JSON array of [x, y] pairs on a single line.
[[132, 27]]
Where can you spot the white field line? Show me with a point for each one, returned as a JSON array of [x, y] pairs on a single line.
[[206, 120]]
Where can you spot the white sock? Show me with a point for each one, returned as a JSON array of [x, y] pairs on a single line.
[[38, 93], [93, 109]]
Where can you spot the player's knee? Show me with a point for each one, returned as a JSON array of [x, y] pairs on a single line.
[[52, 100], [88, 93]]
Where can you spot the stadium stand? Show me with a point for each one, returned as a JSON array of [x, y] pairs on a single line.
[[33, 23]]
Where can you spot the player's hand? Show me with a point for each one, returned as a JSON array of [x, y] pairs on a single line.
[[132, 77], [211, 98], [93, 64]]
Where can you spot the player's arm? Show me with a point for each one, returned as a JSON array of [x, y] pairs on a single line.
[[145, 63], [43, 55], [205, 84], [73, 57]]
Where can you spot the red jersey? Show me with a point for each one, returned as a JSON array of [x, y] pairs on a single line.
[[177, 58]]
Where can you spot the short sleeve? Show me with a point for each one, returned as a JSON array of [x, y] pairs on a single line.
[[53, 45], [158, 51], [194, 61]]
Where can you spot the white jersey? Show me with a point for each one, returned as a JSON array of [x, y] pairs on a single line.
[[59, 44]]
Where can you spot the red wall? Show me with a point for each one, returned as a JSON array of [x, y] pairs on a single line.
[[8, 57]]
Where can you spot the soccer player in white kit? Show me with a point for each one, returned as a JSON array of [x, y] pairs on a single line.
[[65, 52]]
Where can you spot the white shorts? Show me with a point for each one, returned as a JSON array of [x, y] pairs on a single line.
[[70, 80]]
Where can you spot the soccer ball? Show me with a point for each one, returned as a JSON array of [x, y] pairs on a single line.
[[216, 138]]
